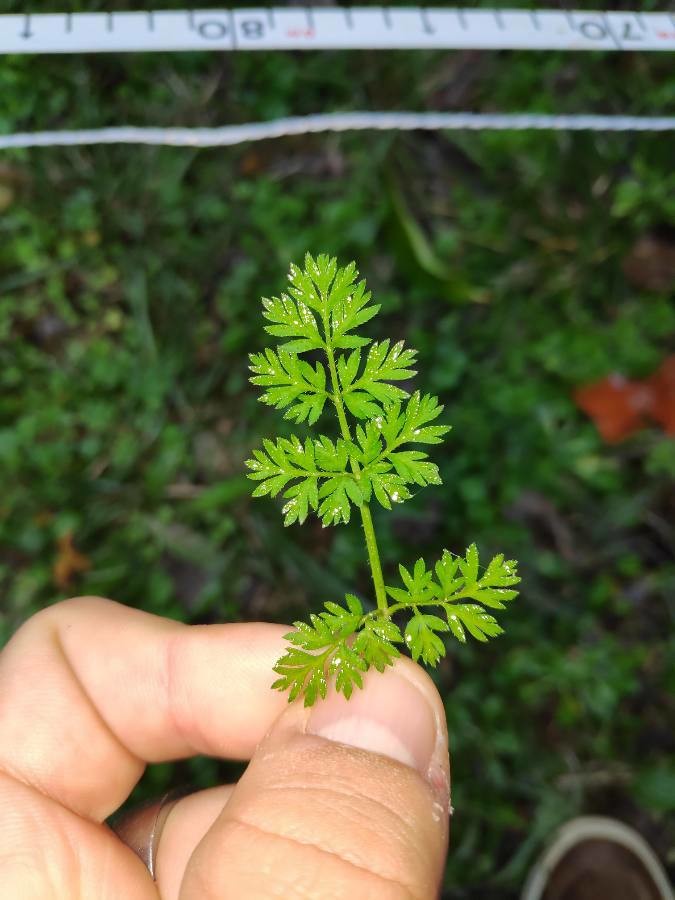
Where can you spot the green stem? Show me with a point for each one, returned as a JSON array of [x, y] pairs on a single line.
[[366, 518], [374, 559], [437, 602], [337, 397]]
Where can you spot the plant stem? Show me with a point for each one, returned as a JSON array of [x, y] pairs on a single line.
[[395, 607], [366, 518], [374, 559]]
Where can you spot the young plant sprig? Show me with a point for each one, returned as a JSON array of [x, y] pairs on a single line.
[[371, 460]]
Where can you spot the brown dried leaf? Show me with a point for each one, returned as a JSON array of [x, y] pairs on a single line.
[[650, 264], [69, 562]]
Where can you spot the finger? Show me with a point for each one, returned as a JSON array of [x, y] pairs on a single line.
[[48, 852], [188, 822], [91, 690], [348, 799]]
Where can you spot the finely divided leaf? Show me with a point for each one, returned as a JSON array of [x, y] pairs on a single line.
[[292, 319], [410, 424], [280, 462], [412, 466], [332, 456], [346, 667], [492, 589], [343, 287], [300, 469], [350, 308], [361, 405], [321, 270], [500, 572], [333, 294], [419, 587], [422, 640], [303, 287], [337, 494], [292, 382], [324, 306], [476, 621], [419, 581], [348, 367], [300, 498], [375, 642], [383, 365], [456, 579], [320, 650], [469, 565], [387, 473], [363, 394], [369, 444], [302, 674], [446, 572], [387, 487]]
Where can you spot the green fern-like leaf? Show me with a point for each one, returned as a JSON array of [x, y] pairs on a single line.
[[410, 423], [293, 320], [457, 579], [373, 456], [477, 622], [418, 585], [421, 637], [375, 642], [290, 382], [311, 476], [383, 365], [412, 467]]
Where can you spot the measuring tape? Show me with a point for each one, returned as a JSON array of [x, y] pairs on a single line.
[[336, 28]]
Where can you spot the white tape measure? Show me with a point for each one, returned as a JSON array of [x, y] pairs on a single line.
[[336, 28]]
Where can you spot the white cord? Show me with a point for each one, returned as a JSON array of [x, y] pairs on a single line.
[[227, 135]]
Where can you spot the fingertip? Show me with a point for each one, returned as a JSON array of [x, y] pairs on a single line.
[[344, 798]]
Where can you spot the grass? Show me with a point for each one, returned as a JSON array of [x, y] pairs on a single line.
[[129, 287]]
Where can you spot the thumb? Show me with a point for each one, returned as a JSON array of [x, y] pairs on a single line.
[[346, 799]]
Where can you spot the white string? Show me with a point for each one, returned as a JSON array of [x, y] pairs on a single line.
[[228, 135]]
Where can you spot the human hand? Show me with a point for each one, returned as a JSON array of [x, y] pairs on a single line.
[[341, 800]]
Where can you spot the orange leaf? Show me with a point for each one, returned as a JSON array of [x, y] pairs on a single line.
[[620, 407], [617, 406], [663, 386]]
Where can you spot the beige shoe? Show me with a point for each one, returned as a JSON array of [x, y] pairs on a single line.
[[593, 858]]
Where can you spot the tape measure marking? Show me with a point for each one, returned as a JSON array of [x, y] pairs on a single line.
[[335, 28]]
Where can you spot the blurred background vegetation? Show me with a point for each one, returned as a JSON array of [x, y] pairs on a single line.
[[130, 280]]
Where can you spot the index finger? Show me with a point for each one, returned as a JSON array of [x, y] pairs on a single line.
[[91, 691]]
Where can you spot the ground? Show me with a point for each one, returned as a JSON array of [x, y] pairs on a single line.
[[130, 280]]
